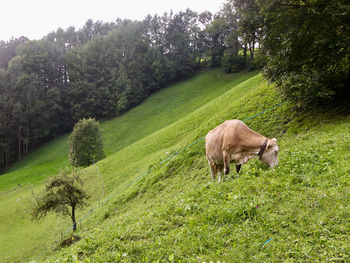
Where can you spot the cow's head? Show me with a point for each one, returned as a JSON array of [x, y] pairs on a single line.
[[269, 156]]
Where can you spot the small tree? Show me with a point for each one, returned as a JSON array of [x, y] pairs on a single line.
[[85, 143], [62, 195]]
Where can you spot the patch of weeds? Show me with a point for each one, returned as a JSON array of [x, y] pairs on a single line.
[[106, 214], [69, 241], [127, 196], [300, 179]]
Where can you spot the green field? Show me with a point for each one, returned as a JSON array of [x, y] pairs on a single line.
[[298, 212]]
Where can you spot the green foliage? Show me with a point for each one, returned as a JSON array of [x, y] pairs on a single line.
[[257, 63], [62, 195], [85, 143], [217, 33], [101, 70], [32, 92], [248, 23], [232, 63], [306, 48]]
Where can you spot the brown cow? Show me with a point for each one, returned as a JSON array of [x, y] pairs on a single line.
[[234, 141]]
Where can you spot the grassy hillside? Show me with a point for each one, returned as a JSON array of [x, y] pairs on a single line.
[[158, 111], [298, 212], [302, 209]]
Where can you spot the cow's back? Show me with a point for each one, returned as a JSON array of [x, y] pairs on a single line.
[[239, 136], [232, 135]]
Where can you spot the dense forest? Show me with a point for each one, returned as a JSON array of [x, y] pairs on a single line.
[[104, 69]]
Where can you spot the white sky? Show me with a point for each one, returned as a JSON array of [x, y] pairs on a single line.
[[36, 18]]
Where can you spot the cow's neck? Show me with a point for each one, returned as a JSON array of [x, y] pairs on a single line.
[[256, 144], [262, 149], [257, 148]]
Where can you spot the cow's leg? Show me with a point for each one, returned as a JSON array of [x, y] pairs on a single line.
[[220, 170], [226, 162], [212, 169], [238, 167]]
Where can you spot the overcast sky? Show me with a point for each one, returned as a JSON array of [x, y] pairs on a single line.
[[36, 18]]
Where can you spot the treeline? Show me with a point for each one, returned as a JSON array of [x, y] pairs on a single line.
[[100, 70], [103, 69]]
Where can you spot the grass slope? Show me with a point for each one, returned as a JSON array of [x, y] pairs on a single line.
[[297, 213], [158, 111]]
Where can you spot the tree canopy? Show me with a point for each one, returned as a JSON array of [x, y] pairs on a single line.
[[85, 143], [62, 196], [98, 71], [307, 48]]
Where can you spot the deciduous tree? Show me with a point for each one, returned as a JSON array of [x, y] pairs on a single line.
[[85, 143], [63, 195], [307, 50]]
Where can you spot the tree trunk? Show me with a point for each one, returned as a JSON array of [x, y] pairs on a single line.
[[251, 53], [6, 153], [25, 142], [73, 219], [19, 142], [25, 147], [252, 50], [65, 76]]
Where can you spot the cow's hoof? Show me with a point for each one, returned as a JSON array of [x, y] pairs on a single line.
[[227, 171], [238, 167]]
